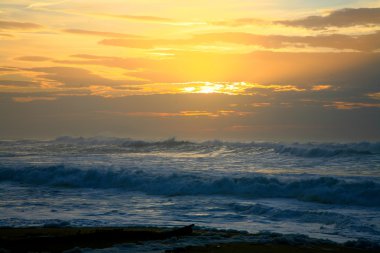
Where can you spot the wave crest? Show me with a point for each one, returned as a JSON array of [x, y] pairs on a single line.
[[111, 144], [309, 150], [327, 190]]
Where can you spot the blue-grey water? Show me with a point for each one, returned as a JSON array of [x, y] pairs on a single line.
[[323, 190]]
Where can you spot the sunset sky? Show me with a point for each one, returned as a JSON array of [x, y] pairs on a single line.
[[227, 69]]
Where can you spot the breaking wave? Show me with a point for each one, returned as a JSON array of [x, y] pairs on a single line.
[[296, 149], [327, 190], [329, 149], [110, 144]]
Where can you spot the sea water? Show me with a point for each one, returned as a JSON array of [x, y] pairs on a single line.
[[322, 190]]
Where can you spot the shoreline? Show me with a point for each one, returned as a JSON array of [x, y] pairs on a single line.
[[176, 240]]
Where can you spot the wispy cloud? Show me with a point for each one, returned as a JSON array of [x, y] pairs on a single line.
[[6, 35], [352, 105], [368, 42], [233, 88], [33, 58], [109, 61], [14, 25], [240, 22], [321, 87], [213, 114], [18, 83], [32, 99], [153, 19], [338, 18], [71, 77], [100, 33], [150, 19], [375, 95], [37, 5]]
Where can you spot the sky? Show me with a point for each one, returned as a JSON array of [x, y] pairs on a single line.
[[229, 69]]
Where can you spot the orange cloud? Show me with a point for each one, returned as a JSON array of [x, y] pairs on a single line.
[[215, 114], [321, 87], [240, 22], [71, 77], [368, 42], [32, 99], [112, 92], [233, 88], [33, 58], [100, 34], [139, 18], [277, 87], [352, 105], [263, 104], [6, 35], [150, 19], [10, 25], [109, 61], [18, 83]]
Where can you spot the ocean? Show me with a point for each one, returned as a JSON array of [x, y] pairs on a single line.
[[322, 190]]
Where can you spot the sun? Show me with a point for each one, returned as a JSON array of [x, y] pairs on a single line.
[[208, 89], [235, 88]]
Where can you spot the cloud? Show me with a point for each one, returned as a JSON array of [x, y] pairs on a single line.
[[7, 69], [142, 43], [13, 25], [375, 95], [113, 92], [149, 19], [6, 35], [93, 115], [352, 105], [338, 18], [216, 114], [32, 99], [369, 42], [152, 19], [100, 34], [240, 22], [262, 104], [33, 58], [109, 61], [233, 88], [321, 87], [274, 87], [74, 77], [44, 4], [16, 83]]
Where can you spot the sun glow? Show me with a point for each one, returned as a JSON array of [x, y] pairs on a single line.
[[234, 88], [209, 87]]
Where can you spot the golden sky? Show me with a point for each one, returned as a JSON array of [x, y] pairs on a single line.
[[232, 68]]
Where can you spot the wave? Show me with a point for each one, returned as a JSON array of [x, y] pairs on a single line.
[[297, 149], [307, 150], [326, 190], [305, 216], [107, 144], [328, 149], [325, 218]]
